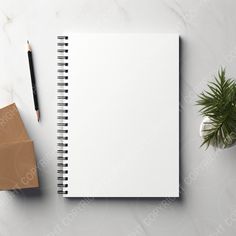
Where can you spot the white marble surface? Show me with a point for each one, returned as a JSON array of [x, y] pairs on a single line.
[[208, 178]]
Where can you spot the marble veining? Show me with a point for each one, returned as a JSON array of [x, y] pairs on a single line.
[[208, 178]]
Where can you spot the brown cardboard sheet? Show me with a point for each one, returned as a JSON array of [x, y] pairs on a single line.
[[17, 158]]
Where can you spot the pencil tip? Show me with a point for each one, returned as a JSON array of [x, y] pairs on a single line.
[[28, 46], [38, 115]]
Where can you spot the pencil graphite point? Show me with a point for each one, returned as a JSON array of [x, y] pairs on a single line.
[[38, 115], [28, 46]]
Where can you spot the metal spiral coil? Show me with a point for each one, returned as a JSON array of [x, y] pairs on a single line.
[[62, 104]]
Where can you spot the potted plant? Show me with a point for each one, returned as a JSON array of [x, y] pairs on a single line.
[[218, 108]]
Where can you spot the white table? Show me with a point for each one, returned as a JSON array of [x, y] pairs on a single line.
[[208, 178]]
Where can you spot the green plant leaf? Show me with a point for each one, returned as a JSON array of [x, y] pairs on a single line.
[[218, 103]]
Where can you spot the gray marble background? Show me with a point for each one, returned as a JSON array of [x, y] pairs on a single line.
[[208, 178]]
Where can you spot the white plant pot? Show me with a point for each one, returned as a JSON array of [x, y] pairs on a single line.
[[205, 125]]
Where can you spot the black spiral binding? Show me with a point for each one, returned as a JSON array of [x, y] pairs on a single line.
[[62, 104]]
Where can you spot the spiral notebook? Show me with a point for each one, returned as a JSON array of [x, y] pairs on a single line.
[[118, 115]]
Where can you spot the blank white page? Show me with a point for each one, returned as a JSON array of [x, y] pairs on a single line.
[[123, 124]]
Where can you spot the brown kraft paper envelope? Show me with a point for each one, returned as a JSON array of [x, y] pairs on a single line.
[[17, 159], [17, 166]]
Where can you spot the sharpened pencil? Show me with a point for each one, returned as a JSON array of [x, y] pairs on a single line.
[[33, 83]]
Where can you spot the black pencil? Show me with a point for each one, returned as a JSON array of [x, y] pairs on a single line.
[[33, 83]]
